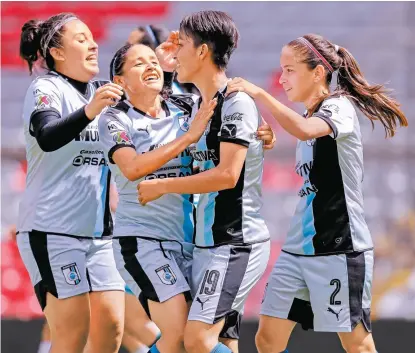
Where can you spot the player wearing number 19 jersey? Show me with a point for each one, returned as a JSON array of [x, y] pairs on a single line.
[[232, 240]]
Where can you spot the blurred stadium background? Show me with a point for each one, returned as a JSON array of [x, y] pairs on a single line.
[[381, 35]]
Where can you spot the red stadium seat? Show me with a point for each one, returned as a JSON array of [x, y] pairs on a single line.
[[18, 299], [96, 14]]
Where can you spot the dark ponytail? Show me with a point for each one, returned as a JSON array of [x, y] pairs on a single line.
[[372, 100], [30, 42], [38, 37]]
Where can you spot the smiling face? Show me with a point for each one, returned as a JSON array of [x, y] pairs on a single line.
[[298, 81], [141, 71], [78, 55]]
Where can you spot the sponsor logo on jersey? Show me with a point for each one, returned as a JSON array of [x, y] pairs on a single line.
[[82, 160], [228, 130], [71, 274], [114, 126], [330, 310], [332, 107], [88, 135], [166, 275], [148, 128], [121, 138], [176, 174], [304, 169], [307, 189], [42, 100], [202, 303], [234, 117], [206, 155]]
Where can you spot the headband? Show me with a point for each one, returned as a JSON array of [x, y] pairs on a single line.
[[53, 32], [315, 51]]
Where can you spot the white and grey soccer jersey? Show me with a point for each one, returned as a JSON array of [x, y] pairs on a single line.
[[232, 216], [67, 190], [329, 217], [65, 223], [232, 240], [153, 246], [171, 216]]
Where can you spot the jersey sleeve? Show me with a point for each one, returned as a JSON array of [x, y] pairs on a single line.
[[42, 95], [113, 133], [240, 119], [339, 114]]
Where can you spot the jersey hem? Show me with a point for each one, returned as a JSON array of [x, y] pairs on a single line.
[[116, 147], [234, 140], [103, 237], [231, 243], [329, 253]]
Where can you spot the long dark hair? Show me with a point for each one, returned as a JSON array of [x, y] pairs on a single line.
[[372, 100], [38, 37]]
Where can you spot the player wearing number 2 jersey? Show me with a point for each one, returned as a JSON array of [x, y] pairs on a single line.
[[323, 277]]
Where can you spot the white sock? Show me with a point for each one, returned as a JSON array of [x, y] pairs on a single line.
[[142, 349], [44, 347]]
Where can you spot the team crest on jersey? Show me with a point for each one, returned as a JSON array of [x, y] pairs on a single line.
[[184, 122], [121, 138], [71, 274], [166, 275]]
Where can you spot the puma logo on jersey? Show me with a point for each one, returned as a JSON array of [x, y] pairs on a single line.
[[200, 301], [146, 129], [228, 130], [330, 310]]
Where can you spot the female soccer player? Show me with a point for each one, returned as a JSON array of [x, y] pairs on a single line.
[[65, 225], [323, 277], [232, 240], [147, 137]]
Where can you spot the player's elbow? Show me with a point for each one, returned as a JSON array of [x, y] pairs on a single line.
[[133, 174], [229, 178], [304, 135], [46, 147]]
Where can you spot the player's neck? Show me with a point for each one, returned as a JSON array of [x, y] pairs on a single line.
[[62, 69], [315, 96], [148, 104], [209, 82]]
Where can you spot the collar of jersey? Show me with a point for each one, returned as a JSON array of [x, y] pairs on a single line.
[[163, 106], [221, 92], [81, 87]]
